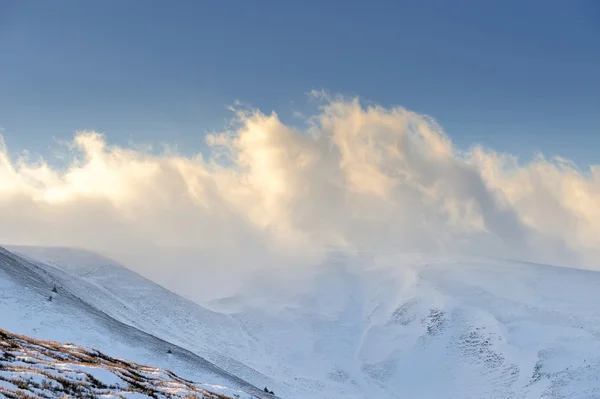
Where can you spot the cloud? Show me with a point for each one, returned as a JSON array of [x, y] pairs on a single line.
[[272, 196]]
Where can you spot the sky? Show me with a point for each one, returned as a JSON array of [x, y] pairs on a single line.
[[297, 129], [515, 76]]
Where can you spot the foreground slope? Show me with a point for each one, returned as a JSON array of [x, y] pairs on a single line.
[[29, 305], [383, 326], [32, 368], [135, 301]]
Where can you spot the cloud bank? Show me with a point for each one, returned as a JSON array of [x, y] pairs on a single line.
[[269, 195]]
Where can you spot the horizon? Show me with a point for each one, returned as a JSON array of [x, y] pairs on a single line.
[[268, 196]]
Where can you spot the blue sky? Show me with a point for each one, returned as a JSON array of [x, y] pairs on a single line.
[[518, 76]]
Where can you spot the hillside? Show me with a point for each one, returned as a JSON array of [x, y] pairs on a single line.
[[137, 302], [32, 368], [29, 306], [383, 325], [421, 327]]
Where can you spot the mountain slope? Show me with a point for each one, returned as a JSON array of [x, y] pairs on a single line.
[[34, 368], [382, 325], [138, 302], [425, 328], [29, 306]]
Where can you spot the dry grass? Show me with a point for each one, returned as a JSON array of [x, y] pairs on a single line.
[[37, 369]]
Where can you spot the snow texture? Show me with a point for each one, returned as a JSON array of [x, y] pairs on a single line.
[[29, 306], [384, 326]]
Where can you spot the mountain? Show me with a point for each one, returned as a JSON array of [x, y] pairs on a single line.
[[420, 327], [35, 368], [137, 302], [377, 326], [29, 305]]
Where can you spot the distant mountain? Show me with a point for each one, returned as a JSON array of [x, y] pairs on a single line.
[[31, 368]]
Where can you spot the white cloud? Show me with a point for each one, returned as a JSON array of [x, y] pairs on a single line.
[[273, 196]]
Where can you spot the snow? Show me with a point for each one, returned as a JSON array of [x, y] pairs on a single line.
[[101, 374], [383, 325], [72, 318], [135, 301]]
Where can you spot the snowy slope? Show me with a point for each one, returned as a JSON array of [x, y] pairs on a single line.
[[414, 327], [26, 308], [138, 302], [34, 368], [385, 326]]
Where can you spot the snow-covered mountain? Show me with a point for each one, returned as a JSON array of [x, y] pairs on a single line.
[[140, 303], [44, 369], [29, 305], [384, 326], [418, 327]]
